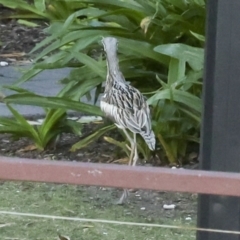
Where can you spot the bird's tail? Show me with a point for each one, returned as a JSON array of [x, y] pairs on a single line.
[[149, 139]]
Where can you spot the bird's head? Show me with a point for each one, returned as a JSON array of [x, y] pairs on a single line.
[[110, 44]]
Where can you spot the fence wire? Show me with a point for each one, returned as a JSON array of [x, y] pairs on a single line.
[[105, 221], [193, 181]]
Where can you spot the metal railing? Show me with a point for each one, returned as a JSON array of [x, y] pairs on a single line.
[[112, 175]]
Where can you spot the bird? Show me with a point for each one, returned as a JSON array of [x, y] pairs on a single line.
[[125, 105]]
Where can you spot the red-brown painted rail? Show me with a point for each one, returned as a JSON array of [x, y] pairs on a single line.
[[111, 175]]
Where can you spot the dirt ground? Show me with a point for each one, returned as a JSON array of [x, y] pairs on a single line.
[[16, 39], [99, 151]]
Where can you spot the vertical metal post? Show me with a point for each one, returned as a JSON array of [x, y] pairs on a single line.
[[220, 148]]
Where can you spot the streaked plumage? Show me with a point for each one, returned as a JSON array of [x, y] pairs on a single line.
[[123, 103]]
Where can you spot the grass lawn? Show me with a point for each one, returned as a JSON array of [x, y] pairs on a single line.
[[87, 202]]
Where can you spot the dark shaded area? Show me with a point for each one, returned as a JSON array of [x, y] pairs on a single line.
[[220, 148], [17, 38]]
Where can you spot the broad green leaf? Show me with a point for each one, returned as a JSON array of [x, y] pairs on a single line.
[[37, 68], [191, 114], [141, 48], [176, 70], [178, 96], [68, 38], [91, 63], [76, 127], [23, 5], [83, 43], [89, 12], [198, 36], [130, 4], [53, 102], [169, 152], [40, 5], [78, 90], [14, 130], [24, 124], [20, 119], [164, 85], [92, 137], [192, 55], [52, 118], [27, 23], [122, 145], [54, 61], [200, 2], [17, 89], [45, 41], [23, 16], [7, 121], [27, 76], [179, 4], [194, 12], [192, 78]]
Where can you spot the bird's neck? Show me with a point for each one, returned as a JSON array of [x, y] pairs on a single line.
[[114, 75], [112, 64]]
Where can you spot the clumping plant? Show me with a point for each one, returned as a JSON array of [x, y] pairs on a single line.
[[49, 10], [161, 53], [43, 135]]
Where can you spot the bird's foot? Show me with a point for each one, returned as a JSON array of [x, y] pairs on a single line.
[[124, 196], [135, 159]]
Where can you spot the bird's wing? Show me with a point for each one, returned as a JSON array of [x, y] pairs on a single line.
[[132, 110]]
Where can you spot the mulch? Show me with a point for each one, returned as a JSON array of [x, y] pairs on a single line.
[[17, 40]]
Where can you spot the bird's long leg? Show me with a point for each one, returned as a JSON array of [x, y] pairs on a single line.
[[135, 158], [125, 191], [124, 196], [132, 146]]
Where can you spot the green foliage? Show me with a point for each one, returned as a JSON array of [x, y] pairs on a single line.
[[52, 102], [41, 9], [92, 137], [177, 105], [160, 53], [44, 135], [55, 121], [122, 145]]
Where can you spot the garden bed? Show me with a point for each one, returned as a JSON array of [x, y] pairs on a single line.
[[77, 201]]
